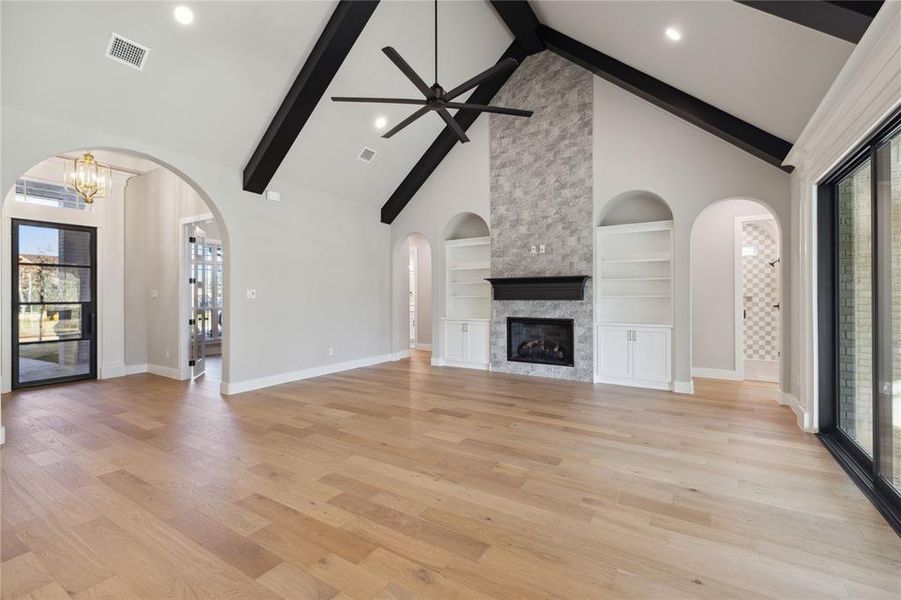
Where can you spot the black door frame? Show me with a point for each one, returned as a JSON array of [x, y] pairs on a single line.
[[862, 469], [91, 307]]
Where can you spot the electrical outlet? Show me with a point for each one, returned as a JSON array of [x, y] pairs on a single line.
[[534, 249], [167, 354], [541, 249], [251, 294], [154, 294], [331, 351]]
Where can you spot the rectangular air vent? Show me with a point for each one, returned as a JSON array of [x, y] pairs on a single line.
[[367, 155], [127, 52]]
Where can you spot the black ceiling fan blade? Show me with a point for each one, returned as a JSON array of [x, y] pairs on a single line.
[[407, 70], [501, 110], [502, 67], [405, 122], [379, 100], [455, 127]]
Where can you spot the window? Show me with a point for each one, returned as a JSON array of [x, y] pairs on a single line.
[[859, 298], [47, 193]]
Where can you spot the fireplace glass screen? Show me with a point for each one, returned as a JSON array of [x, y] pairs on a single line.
[[544, 341]]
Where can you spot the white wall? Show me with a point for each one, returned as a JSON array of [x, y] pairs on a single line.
[[108, 218], [319, 263], [155, 204], [458, 185], [713, 284], [866, 91]]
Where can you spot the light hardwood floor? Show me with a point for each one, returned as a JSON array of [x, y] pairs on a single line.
[[407, 481]]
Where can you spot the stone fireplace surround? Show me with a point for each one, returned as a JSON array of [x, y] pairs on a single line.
[[541, 193]]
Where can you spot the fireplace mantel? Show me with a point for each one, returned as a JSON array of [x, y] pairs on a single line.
[[568, 287]]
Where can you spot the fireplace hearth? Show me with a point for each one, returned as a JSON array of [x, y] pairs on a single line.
[[543, 341]]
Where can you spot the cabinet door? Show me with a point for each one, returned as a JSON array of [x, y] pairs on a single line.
[[614, 348], [650, 355], [477, 343], [454, 341]]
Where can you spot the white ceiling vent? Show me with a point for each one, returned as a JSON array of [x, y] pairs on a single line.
[[127, 52], [367, 155]]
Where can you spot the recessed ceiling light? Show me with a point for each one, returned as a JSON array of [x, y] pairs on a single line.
[[673, 34], [381, 122], [184, 15]]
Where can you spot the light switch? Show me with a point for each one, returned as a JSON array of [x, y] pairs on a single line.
[[251, 294], [541, 249], [534, 249]]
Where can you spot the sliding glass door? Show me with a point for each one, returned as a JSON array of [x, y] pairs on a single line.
[[859, 299], [888, 335], [53, 303]]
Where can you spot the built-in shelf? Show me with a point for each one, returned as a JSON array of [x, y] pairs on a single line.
[[467, 264], [635, 271]]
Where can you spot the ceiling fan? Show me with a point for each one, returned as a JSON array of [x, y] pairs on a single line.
[[436, 98]]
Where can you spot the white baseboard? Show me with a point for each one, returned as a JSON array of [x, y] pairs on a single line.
[[804, 419], [238, 387], [2, 435], [136, 369], [437, 362], [464, 365], [648, 385], [113, 370], [684, 387], [727, 374], [170, 372], [424, 347], [400, 355]]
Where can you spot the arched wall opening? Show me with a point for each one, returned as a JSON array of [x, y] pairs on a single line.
[[413, 298], [141, 266], [738, 313]]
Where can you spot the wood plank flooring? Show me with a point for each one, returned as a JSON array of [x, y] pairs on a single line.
[[407, 481]]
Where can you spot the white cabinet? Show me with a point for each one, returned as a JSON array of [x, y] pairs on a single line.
[[466, 343], [636, 355]]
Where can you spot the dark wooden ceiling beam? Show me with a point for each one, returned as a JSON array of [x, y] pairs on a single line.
[[845, 20], [522, 23], [749, 138], [446, 140], [332, 47]]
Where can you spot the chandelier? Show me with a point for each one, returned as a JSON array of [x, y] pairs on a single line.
[[88, 177]]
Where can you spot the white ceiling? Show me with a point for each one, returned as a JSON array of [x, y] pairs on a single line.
[[211, 88], [760, 68]]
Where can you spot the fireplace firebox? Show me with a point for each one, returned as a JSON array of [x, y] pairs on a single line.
[[543, 341]]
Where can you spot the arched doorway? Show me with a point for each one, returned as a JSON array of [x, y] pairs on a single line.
[[736, 292], [134, 318], [413, 297]]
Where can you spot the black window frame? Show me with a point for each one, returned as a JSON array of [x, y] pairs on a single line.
[[862, 469]]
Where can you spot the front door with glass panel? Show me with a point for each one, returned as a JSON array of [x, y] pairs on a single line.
[[53, 303]]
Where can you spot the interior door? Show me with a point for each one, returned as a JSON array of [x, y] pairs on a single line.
[[54, 283], [201, 290]]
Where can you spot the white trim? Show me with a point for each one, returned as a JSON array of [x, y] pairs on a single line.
[[464, 365], [113, 370], [2, 435], [239, 387], [136, 369], [424, 347], [162, 371], [804, 419], [716, 374], [651, 385], [437, 361], [400, 354], [684, 387]]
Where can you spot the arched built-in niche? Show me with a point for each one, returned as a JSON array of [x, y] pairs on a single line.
[[115, 278], [465, 225], [634, 206]]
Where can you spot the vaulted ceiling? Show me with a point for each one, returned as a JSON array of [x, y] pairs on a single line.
[[211, 89]]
